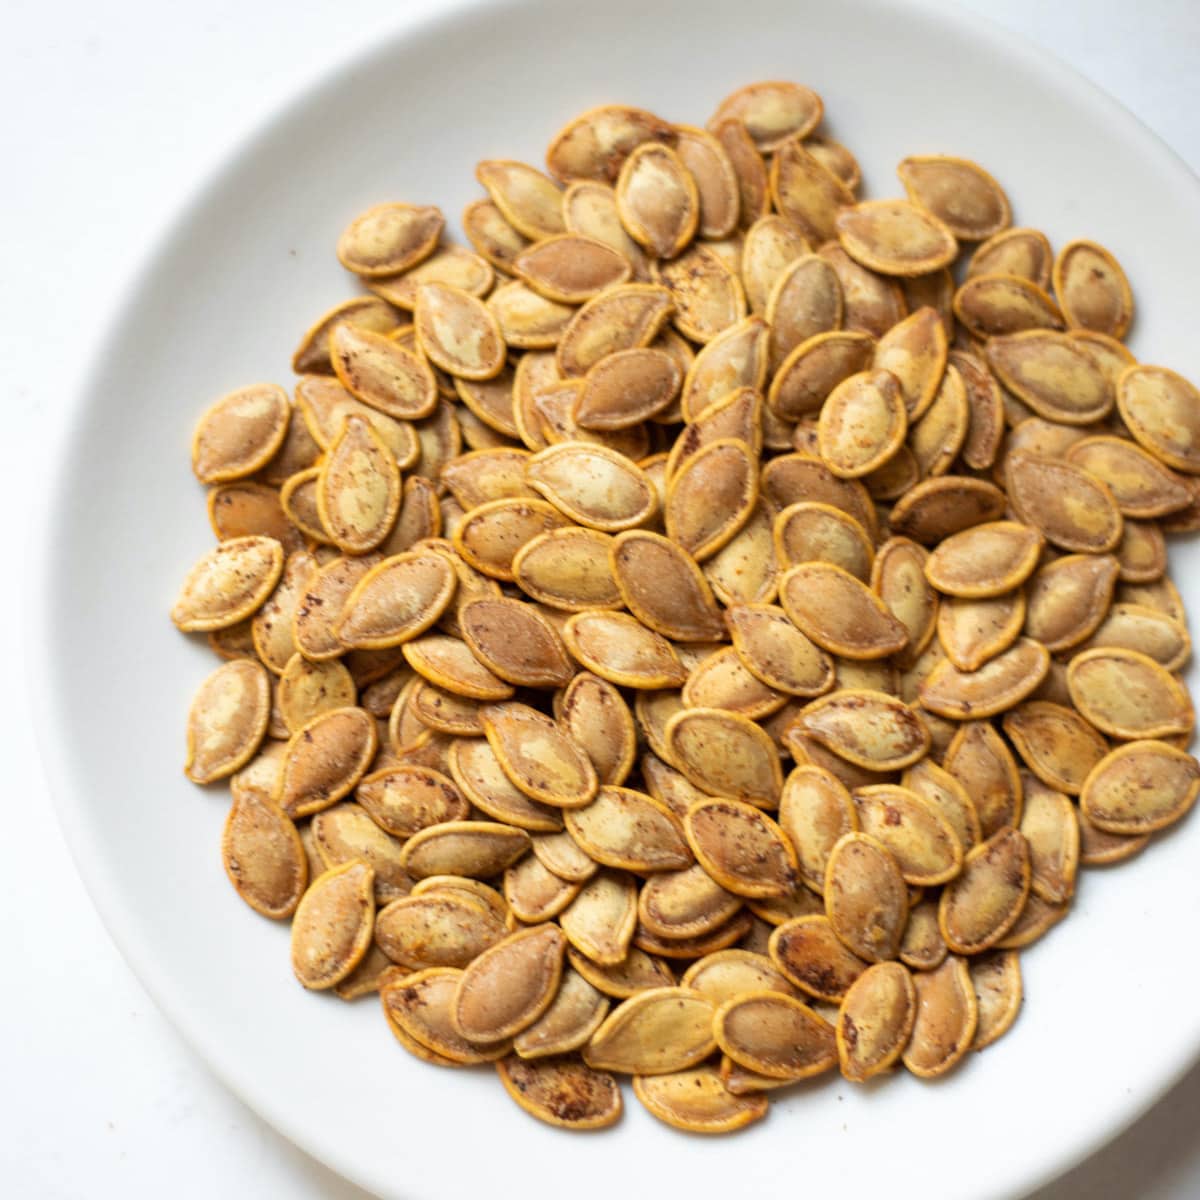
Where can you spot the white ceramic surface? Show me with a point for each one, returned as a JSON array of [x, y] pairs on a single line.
[[220, 303]]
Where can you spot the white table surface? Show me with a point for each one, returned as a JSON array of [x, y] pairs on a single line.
[[110, 110]]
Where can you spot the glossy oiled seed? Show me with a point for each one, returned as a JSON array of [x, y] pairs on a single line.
[[654, 1032], [805, 300], [894, 237], [1126, 694], [562, 1092], [568, 1023], [311, 356], [1022, 252], [937, 508], [568, 569], [307, 689], [922, 947], [812, 957], [227, 720], [728, 973], [492, 534], [529, 201], [457, 332], [707, 293], [868, 728], [743, 849], [922, 841], [724, 754], [436, 929], [628, 387], [775, 1035], [981, 761], [840, 613], [685, 904], [697, 1101], [776, 652], [538, 756], [996, 979], [999, 684], [453, 265], [791, 478], [815, 810], [711, 497], [898, 578], [389, 238], [1053, 374], [1162, 411], [332, 926], [621, 318], [1153, 633], [450, 663], [772, 243], [947, 1018], [1050, 826], [418, 1010], [617, 647], [1056, 743], [325, 759], [657, 200], [1092, 289], [866, 900], [942, 791], [570, 269], [514, 641], [995, 305], [979, 907], [806, 192], [1140, 788], [263, 855], [959, 192], [1074, 510], [397, 600], [876, 1020], [1140, 484]]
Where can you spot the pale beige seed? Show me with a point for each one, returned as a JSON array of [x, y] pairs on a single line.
[[776, 652], [664, 783], [477, 849], [600, 921], [491, 235], [1022, 252], [840, 613], [325, 759], [868, 728], [922, 947], [958, 192], [227, 720], [936, 439], [979, 907], [810, 955], [735, 358], [654, 1032], [555, 407], [538, 756], [705, 159], [894, 237], [898, 578], [535, 894], [1126, 694], [570, 269], [772, 244], [862, 423], [1050, 826], [307, 689], [790, 478], [1153, 633], [490, 402], [240, 433], [922, 841], [377, 371], [805, 300], [389, 238], [592, 486], [1056, 743], [418, 1010], [875, 1021], [743, 571], [1053, 374], [458, 332], [453, 265], [358, 488], [263, 855], [559, 854], [996, 305], [806, 192], [311, 356], [985, 405], [1162, 595], [251, 510], [482, 780], [866, 900], [722, 681], [724, 754], [332, 926], [617, 647], [1092, 289], [981, 761], [636, 972], [685, 904], [628, 829], [775, 1035], [725, 974], [937, 508], [815, 811], [741, 848], [738, 415], [597, 718], [485, 475], [272, 627], [873, 303], [1160, 409], [529, 202], [574, 1014], [1098, 848], [1068, 598], [562, 1092], [664, 588], [914, 351], [228, 584], [1000, 684], [345, 833], [622, 318], [597, 142], [590, 209], [628, 387], [1140, 484], [528, 319], [657, 200], [397, 600], [403, 800], [974, 631], [512, 983], [568, 569], [943, 792], [697, 1101], [711, 497], [996, 980], [325, 405], [321, 604], [986, 560], [772, 112], [947, 1018], [707, 293], [450, 663], [1140, 788], [492, 534]]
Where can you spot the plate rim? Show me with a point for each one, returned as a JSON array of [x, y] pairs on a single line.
[[50, 508]]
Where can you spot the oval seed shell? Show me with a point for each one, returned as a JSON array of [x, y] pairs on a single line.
[[947, 1017], [1140, 788], [840, 613], [332, 926], [876, 1020], [866, 900], [979, 907], [741, 848], [724, 754], [655, 1032], [1126, 694]]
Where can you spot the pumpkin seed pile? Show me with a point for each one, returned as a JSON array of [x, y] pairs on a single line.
[[699, 630]]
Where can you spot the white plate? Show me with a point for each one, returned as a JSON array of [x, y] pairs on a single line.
[[1108, 1023]]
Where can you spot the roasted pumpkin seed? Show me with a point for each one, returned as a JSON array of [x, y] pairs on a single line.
[[876, 1020], [947, 1018], [1140, 788], [332, 926]]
